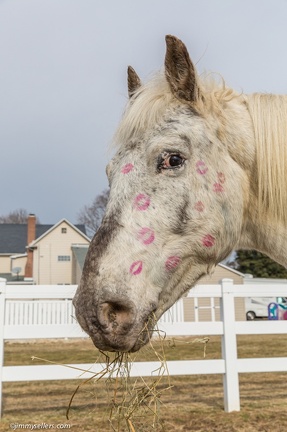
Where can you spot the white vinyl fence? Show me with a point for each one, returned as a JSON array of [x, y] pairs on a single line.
[[28, 312]]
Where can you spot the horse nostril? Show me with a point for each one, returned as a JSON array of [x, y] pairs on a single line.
[[115, 316]]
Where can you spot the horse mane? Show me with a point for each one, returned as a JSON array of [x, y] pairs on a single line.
[[269, 116]]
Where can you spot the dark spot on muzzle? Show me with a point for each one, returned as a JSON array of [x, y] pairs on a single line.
[[99, 244]]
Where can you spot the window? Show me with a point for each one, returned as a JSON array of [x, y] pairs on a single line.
[[64, 258], [64, 230]]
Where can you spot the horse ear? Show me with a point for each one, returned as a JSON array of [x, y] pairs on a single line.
[[134, 81], [179, 70]]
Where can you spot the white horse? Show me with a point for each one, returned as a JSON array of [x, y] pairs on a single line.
[[200, 171]]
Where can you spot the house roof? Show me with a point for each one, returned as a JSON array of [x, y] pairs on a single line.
[[77, 228], [232, 270], [13, 237]]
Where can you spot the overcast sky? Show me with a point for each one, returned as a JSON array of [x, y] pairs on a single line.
[[63, 81]]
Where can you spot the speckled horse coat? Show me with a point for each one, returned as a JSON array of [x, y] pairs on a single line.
[[199, 172]]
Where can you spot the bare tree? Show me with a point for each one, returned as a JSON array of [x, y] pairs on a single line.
[[91, 215], [18, 216]]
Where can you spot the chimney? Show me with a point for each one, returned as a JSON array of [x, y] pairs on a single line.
[[31, 235]]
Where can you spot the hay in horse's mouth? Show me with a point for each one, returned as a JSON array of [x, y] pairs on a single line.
[[130, 399], [129, 342], [127, 397]]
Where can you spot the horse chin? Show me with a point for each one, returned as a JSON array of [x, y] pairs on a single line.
[[131, 342]]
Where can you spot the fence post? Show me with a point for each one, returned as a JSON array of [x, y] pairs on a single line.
[[2, 321], [229, 348]]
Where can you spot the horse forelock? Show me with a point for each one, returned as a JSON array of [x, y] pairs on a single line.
[[151, 101], [144, 110]]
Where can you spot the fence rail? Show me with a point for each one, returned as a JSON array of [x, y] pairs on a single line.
[[49, 314]]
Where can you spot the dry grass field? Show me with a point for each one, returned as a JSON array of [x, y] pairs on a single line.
[[194, 403]]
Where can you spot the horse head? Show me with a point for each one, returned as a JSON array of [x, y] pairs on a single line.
[[176, 205]]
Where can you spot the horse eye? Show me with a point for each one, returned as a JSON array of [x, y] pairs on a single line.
[[174, 161], [167, 161]]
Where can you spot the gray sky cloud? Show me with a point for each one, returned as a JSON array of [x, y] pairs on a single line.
[[63, 81]]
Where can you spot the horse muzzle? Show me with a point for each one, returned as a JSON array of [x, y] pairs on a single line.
[[115, 324]]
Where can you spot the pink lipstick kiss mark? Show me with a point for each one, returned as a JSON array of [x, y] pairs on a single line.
[[221, 177], [136, 268], [208, 240], [201, 168], [127, 168], [199, 206], [218, 188], [141, 202], [172, 262], [146, 236]]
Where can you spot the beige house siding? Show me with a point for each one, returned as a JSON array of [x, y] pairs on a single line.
[[19, 261], [240, 313], [48, 268], [219, 273], [206, 307], [5, 263]]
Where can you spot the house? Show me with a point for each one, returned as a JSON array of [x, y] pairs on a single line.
[[208, 309], [43, 254]]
